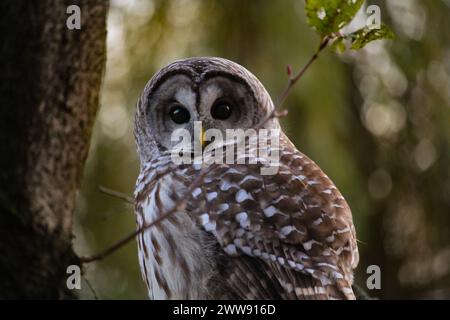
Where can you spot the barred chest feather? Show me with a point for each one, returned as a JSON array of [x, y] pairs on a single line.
[[175, 256]]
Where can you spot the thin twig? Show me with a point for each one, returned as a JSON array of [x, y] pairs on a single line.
[[178, 206], [198, 181], [362, 242], [116, 194], [91, 288], [292, 81]]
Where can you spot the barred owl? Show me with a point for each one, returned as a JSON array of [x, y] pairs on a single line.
[[241, 234]]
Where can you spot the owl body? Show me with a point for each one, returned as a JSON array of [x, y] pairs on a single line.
[[175, 258], [241, 234]]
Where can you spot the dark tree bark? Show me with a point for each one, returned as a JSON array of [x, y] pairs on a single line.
[[50, 79]]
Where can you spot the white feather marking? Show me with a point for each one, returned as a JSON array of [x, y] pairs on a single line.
[[308, 244], [337, 275], [232, 170], [288, 287], [204, 219], [247, 178], [230, 249], [242, 219], [301, 256], [196, 192], [324, 264], [225, 185], [345, 230], [247, 250], [299, 266], [319, 290], [309, 270], [243, 195], [223, 207], [270, 211], [347, 290], [299, 291], [211, 196], [285, 231], [208, 179], [210, 226], [317, 221]]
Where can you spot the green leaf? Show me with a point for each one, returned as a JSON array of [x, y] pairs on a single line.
[[362, 37], [330, 16]]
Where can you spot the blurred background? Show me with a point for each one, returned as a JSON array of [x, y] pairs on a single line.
[[376, 121]]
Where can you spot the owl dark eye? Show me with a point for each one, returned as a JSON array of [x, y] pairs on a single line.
[[179, 114], [221, 111]]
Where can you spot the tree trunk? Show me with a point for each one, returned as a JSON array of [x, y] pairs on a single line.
[[49, 92]]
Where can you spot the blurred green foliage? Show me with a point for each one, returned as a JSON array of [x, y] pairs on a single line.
[[377, 121], [330, 16]]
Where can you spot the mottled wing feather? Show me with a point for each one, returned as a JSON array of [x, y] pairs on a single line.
[[296, 221], [256, 279]]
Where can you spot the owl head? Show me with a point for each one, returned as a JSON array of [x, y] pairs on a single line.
[[218, 92]]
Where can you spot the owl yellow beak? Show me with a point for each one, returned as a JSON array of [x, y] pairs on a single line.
[[202, 138]]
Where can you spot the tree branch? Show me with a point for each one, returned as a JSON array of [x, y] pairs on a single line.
[[116, 194], [177, 207], [291, 83]]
